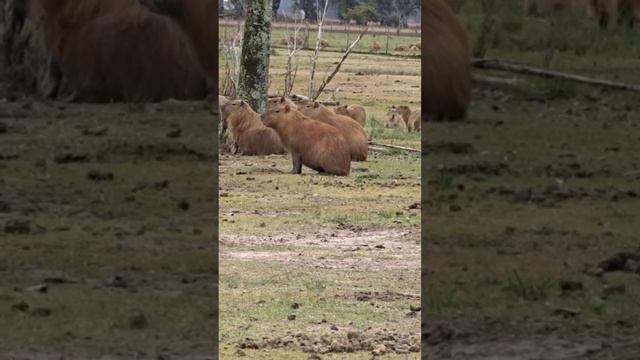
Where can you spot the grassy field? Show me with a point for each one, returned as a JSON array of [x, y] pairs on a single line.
[[528, 196], [326, 265], [106, 215]]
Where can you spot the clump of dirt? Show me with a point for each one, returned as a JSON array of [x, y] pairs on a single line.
[[340, 341], [443, 147], [627, 261], [481, 167]]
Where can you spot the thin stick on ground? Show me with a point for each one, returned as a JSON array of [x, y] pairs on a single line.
[[395, 147], [337, 68], [501, 65]]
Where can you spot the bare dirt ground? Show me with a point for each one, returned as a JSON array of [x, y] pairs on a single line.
[[106, 227]]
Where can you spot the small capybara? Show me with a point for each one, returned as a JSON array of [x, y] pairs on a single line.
[[395, 120], [415, 120], [375, 47], [312, 143], [400, 48], [286, 40], [276, 101], [247, 130], [446, 63], [354, 111], [352, 131]]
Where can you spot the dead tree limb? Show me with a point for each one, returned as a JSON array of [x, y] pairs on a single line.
[[395, 147], [314, 60], [501, 65], [326, 81]]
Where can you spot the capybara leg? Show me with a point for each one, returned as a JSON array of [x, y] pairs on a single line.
[[50, 83], [297, 164], [235, 149]]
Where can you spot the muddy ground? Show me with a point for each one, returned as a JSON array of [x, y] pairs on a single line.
[[107, 223], [530, 203]]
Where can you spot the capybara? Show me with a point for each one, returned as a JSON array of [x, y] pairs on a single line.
[[375, 47], [400, 48], [90, 38], [415, 120], [354, 111], [312, 143], [352, 131], [247, 130], [275, 101], [446, 63], [405, 112], [221, 101], [290, 40], [395, 120], [194, 17]]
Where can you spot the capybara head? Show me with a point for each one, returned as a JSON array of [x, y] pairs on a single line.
[[394, 120], [342, 110], [312, 109], [278, 116], [232, 106], [278, 101]]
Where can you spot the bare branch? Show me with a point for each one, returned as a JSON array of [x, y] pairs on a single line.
[[395, 147], [337, 68], [314, 60]]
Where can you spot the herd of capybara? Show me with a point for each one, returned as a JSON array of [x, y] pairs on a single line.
[[319, 137]]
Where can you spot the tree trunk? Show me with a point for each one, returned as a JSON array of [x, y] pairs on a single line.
[[254, 61]]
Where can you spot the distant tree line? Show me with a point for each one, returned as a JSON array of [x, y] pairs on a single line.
[[388, 12]]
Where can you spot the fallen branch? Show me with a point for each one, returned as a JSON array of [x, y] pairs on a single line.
[[395, 147], [337, 68], [501, 65], [492, 80], [302, 97]]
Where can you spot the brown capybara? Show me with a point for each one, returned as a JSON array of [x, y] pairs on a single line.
[[400, 48], [354, 111], [275, 101], [311, 143], [247, 130], [323, 44], [352, 131], [415, 120], [290, 40], [194, 18], [405, 112], [446, 63], [375, 47], [395, 120], [90, 38]]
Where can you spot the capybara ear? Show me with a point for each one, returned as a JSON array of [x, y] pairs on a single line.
[[282, 99], [242, 103], [316, 104], [287, 108]]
